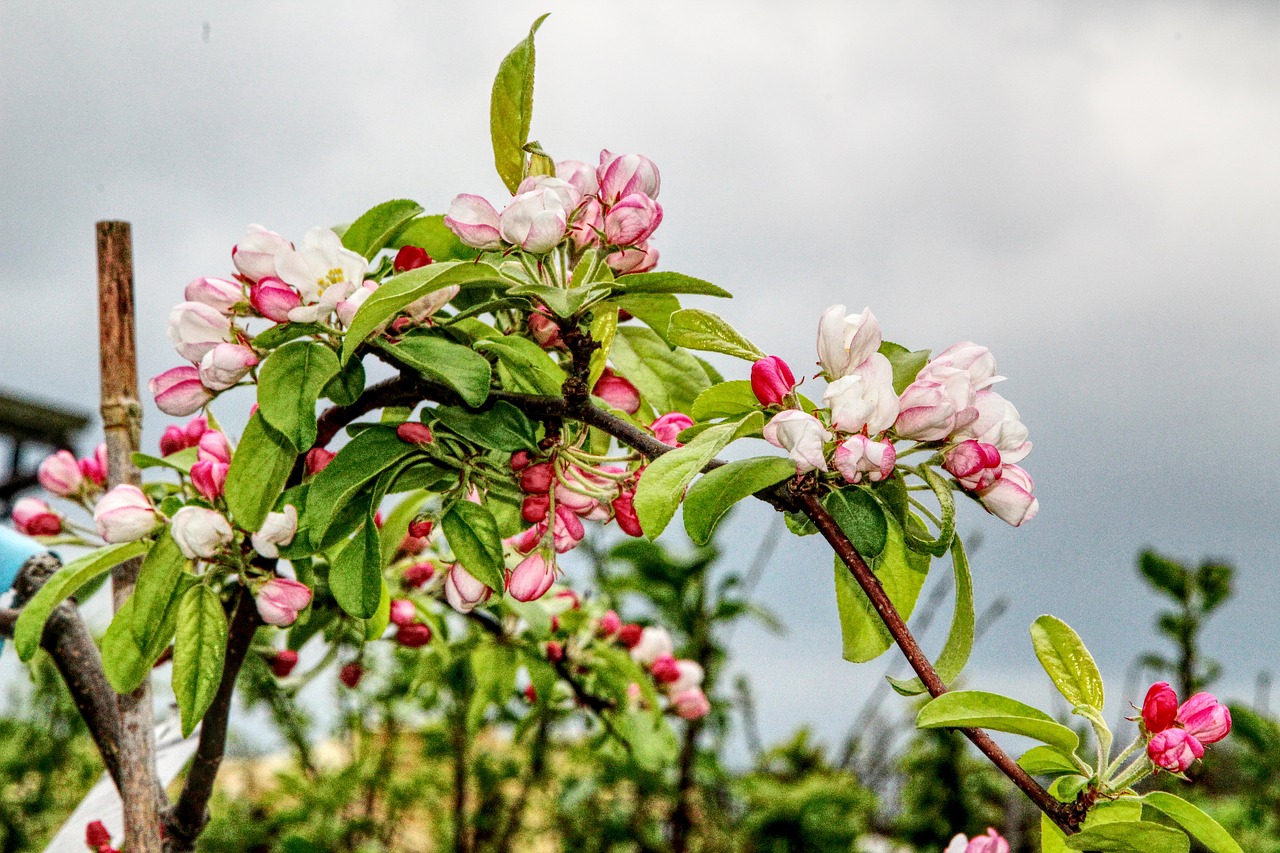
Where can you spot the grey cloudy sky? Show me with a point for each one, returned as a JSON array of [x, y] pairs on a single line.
[[1090, 189]]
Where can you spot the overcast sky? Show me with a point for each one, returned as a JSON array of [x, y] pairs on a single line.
[[1090, 189]]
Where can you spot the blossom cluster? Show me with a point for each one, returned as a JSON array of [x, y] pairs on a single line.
[[613, 206], [1177, 734], [991, 842], [949, 407]]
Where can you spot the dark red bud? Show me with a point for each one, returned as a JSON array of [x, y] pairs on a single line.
[[418, 574], [536, 479], [412, 432], [530, 694], [629, 634], [96, 834], [317, 459], [350, 674], [534, 508], [410, 258], [555, 652], [283, 663], [413, 636], [519, 460], [420, 528]]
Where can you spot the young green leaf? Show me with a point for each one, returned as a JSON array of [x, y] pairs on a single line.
[[938, 545], [503, 427], [702, 330], [1064, 657], [63, 584], [1046, 761], [965, 708], [901, 572], [158, 580], [430, 233], [460, 368], [667, 282], [356, 576], [652, 309], [269, 339], [1130, 837], [1052, 839], [377, 227], [179, 461], [345, 388], [906, 364], [604, 326], [198, 653], [371, 452], [955, 652], [289, 383], [715, 493], [731, 399], [670, 380], [259, 470], [660, 490], [125, 662], [472, 533], [511, 109], [861, 519], [1203, 828], [523, 365]]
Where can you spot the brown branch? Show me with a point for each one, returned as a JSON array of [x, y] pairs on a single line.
[[187, 818]]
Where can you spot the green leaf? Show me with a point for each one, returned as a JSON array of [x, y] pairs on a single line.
[[731, 399], [653, 309], [371, 452], [376, 624], [938, 545], [157, 586], [356, 576], [651, 742], [524, 366], [126, 663], [604, 327], [345, 388], [63, 584], [662, 487], [715, 492], [1130, 837], [561, 302], [289, 383], [693, 328], [861, 518], [667, 282], [906, 364], [955, 652], [398, 292], [430, 233], [1118, 811], [511, 109], [198, 652], [472, 533], [901, 572], [260, 468], [670, 380], [503, 427], [378, 226], [1046, 761], [1203, 828], [1064, 657], [460, 368], [179, 461], [282, 333], [975, 708]]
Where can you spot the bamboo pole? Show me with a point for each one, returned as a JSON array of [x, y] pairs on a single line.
[[122, 423]]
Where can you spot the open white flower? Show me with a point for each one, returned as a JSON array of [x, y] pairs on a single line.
[[323, 271]]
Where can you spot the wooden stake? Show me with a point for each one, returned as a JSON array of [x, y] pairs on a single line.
[[122, 423]]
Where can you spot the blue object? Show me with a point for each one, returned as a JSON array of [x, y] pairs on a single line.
[[15, 549]]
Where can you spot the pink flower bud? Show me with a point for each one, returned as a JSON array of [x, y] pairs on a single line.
[[555, 652], [536, 479], [519, 460], [938, 403], [1174, 750], [403, 612], [210, 478], [34, 517], [667, 428], [1205, 718], [772, 380], [418, 574], [610, 623], [173, 440], [60, 474], [255, 255], [1159, 708], [280, 600], [576, 502], [864, 399], [1009, 498], [654, 642], [974, 464], [317, 459], [528, 539], [581, 176], [973, 359], [632, 220], [412, 432], [624, 512], [415, 635], [623, 175], [411, 545], [124, 514], [225, 365], [420, 528], [992, 842], [617, 391], [278, 528], [691, 675], [691, 704], [94, 468], [575, 603], [350, 674], [217, 293], [636, 259], [664, 669], [195, 328], [96, 834], [283, 662], [200, 533], [474, 221], [544, 330], [567, 531], [803, 437], [534, 508], [410, 258], [274, 299], [463, 591], [195, 430], [861, 457], [531, 579], [347, 308], [629, 635], [999, 424], [536, 220], [214, 447], [586, 224], [179, 391]]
